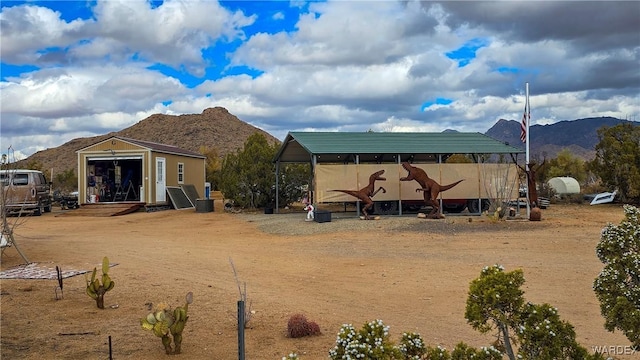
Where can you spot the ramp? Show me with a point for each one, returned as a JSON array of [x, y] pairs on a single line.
[[105, 209]]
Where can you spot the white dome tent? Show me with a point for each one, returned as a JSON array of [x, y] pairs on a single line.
[[564, 185]]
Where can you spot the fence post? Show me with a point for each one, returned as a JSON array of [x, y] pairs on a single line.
[[241, 330], [110, 349]]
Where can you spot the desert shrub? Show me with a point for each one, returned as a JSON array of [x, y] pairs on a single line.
[[463, 351], [568, 199], [437, 352], [544, 336], [412, 346], [299, 326], [618, 284], [370, 342]]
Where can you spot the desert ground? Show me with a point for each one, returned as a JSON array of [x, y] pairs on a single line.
[[411, 273]]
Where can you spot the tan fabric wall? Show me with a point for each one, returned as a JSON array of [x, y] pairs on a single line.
[[479, 180]]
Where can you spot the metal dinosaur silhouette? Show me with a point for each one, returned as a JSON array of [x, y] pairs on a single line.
[[366, 193], [429, 187], [531, 173]]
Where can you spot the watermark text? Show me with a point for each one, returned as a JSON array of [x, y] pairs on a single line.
[[614, 350]]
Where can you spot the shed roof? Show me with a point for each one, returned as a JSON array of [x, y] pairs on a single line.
[[299, 146], [163, 148]]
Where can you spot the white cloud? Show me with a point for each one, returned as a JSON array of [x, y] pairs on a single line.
[[27, 29], [84, 91], [346, 66]]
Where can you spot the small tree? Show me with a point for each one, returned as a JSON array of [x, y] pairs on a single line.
[[66, 181], [213, 165], [618, 285], [293, 177], [617, 160], [500, 179], [496, 302], [567, 164], [248, 176]]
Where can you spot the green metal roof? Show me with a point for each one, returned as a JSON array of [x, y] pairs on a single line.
[[336, 146]]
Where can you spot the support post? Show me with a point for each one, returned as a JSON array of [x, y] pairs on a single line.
[[241, 321]]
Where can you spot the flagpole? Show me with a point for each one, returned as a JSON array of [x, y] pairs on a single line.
[[528, 120]]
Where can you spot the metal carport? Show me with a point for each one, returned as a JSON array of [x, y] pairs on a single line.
[[383, 147]]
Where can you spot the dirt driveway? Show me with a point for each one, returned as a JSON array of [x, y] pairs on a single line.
[[411, 273]]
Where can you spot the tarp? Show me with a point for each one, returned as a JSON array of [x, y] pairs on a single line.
[[564, 185], [480, 181]]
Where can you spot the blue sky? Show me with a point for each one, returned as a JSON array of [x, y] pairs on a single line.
[[74, 69]]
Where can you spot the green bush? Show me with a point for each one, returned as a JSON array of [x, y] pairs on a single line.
[[618, 284], [496, 302]]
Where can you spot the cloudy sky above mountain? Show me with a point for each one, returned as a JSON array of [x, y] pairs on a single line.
[[73, 69]]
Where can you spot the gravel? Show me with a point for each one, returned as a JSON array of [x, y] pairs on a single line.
[[294, 224]]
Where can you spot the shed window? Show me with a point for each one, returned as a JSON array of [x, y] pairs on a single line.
[[180, 173]]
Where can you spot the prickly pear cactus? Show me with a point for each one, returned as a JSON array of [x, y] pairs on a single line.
[[165, 323], [181, 316], [158, 322], [97, 289]]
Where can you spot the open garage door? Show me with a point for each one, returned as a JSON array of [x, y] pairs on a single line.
[[117, 179]]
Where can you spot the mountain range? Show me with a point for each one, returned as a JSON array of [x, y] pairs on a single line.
[[216, 128], [545, 141]]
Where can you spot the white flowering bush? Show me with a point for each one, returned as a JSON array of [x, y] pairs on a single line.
[[370, 342], [618, 284], [411, 346], [291, 356]]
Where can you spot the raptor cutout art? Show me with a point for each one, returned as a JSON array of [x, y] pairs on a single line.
[[366, 193], [429, 187]]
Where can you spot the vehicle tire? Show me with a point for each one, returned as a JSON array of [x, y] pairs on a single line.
[[474, 208], [48, 207], [486, 204], [39, 210], [455, 209], [385, 207]]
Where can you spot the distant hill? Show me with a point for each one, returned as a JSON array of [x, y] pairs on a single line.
[[578, 136], [214, 128], [219, 129]]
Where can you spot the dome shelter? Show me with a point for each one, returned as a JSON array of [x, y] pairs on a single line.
[[564, 185]]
